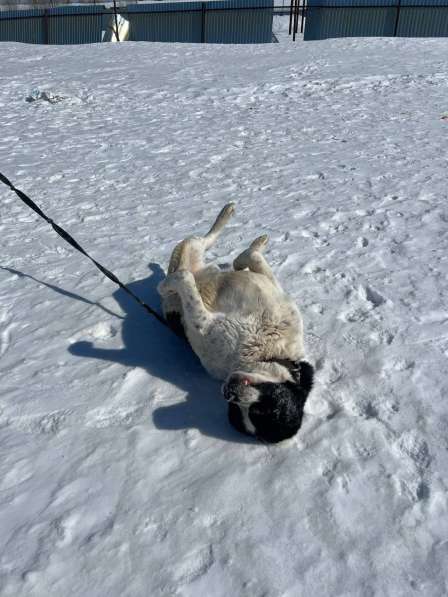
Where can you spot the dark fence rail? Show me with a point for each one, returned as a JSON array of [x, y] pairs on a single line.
[[221, 21]]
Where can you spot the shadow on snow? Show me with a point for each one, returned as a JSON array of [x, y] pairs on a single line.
[[149, 345]]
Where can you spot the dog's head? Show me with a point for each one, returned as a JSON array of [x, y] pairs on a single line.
[[272, 411]]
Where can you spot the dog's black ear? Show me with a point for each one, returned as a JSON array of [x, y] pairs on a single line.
[[303, 374]]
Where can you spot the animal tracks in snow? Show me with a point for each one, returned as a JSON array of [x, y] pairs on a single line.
[[362, 241], [49, 423], [360, 303], [411, 445], [372, 296], [414, 478]]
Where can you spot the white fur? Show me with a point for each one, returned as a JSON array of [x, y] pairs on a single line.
[[235, 320], [248, 425]]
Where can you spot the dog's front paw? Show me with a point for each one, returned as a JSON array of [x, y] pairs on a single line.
[[172, 283]]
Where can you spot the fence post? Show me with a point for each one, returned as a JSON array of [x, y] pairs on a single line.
[[305, 2], [45, 27], [116, 21], [296, 19], [290, 16], [397, 18], [203, 11]]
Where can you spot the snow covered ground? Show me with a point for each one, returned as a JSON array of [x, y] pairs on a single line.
[[119, 473]]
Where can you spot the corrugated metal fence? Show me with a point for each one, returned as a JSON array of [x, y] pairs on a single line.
[[176, 22], [64, 25], [378, 18], [222, 21]]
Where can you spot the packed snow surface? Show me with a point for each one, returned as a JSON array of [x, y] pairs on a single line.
[[119, 473]]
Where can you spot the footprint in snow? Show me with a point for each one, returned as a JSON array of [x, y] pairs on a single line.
[[362, 241], [411, 445], [413, 478], [361, 302], [194, 565], [100, 331], [5, 338]]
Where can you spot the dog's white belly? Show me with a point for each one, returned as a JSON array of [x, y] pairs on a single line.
[[218, 348], [237, 293], [252, 321]]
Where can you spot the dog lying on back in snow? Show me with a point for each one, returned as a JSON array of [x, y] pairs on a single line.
[[245, 331]]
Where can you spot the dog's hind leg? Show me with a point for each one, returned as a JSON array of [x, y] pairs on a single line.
[[253, 259], [223, 217], [188, 255]]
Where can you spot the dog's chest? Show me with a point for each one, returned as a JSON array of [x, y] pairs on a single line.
[[218, 348]]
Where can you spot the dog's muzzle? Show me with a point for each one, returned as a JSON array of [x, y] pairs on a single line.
[[234, 388]]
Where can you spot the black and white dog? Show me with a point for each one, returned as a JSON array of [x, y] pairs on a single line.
[[244, 329]]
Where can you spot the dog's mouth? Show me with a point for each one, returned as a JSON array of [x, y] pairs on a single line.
[[239, 389], [230, 392]]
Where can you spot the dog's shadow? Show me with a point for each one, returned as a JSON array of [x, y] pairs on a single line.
[[151, 346]]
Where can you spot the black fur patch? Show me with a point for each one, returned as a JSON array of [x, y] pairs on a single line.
[[306, 375], [236, 418], [174, 320], [277, 415]]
